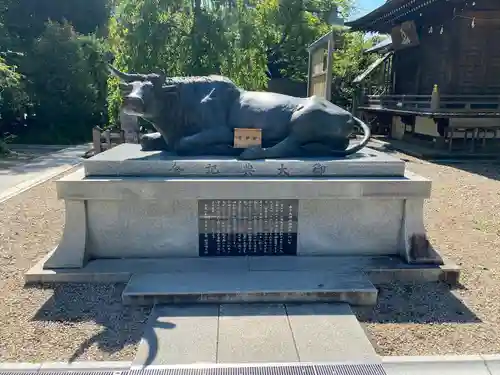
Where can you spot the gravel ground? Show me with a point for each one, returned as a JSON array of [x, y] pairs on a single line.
[[463, 222], [72, 322], [79, 322]]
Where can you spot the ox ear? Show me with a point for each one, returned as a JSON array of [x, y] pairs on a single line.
[[156, 79], [125, 77], [125, 88]]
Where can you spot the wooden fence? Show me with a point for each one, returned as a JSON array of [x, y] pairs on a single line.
[[104, 140]]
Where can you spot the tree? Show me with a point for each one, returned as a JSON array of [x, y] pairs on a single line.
[[66, 76], [56, 90], [25, 20], [290, 26], [181, 37], [13, 99], [349, 61]]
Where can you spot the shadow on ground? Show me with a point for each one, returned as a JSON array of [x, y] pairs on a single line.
[[489, 168], [416, 303], [486, 169], [382, 145], [101, 304]]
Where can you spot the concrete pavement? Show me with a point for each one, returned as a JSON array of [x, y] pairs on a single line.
[[18, 176], [254, 333]]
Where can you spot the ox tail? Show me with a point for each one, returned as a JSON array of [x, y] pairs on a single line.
[[366, 137]]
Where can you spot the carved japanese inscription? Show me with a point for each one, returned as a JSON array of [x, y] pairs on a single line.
[[236, 227]]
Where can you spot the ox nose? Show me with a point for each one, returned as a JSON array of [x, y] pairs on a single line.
[[134, 103]]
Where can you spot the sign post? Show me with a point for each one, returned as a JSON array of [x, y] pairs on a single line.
[[319, 77]]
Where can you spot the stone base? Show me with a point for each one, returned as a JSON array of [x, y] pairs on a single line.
[[129, 160], [158, 217], [378, 269]]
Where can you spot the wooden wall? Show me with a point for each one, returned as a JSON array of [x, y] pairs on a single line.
[[477, 63], [461, 60], [406, 66], [437, 59]]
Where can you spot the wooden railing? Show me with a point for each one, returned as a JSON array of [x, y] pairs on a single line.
[[446, 103]]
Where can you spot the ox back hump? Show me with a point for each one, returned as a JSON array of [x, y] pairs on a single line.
[[268, 111]]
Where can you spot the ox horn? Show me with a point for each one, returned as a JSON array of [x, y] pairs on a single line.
[[124, 76]]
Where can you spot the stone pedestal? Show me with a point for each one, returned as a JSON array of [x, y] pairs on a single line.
[[128, 204]]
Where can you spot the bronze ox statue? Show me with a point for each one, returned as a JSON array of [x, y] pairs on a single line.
[[197, 116]]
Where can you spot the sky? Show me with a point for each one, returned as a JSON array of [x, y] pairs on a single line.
[[365, 6]]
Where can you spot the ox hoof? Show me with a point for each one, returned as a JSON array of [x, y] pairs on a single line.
[[153, 142], [252, 153]]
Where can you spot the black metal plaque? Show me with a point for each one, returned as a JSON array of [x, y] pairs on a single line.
[[240, 227]]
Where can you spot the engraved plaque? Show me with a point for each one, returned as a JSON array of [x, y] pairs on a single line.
[[244, 138], [246, 227]]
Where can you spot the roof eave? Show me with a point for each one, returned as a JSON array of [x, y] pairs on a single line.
[[383, 18], [365, 23]]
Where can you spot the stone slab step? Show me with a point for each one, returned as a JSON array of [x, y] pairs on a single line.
[[254, 333], [250, 287], [380, 269]]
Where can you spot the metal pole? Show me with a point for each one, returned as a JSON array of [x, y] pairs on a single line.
[[309, 73]]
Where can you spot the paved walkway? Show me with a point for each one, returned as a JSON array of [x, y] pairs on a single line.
[[19, 175], [253, 333]]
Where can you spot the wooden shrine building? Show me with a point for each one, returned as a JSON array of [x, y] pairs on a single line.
[[438, 79]]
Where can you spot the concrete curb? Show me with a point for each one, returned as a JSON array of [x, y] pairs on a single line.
[[405, 365], [65, 366], [86, 365], [21, 366], [443, 365], [40, 147]]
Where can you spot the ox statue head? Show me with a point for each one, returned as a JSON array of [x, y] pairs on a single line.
[[142, 93]]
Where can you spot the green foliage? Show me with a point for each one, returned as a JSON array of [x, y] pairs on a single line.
[[67, 75], [25, 20], [349, 61], [147, 35], [240, 39], [54, 85], [13, 97], [187, 38], [244, 56], [290, 26]]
